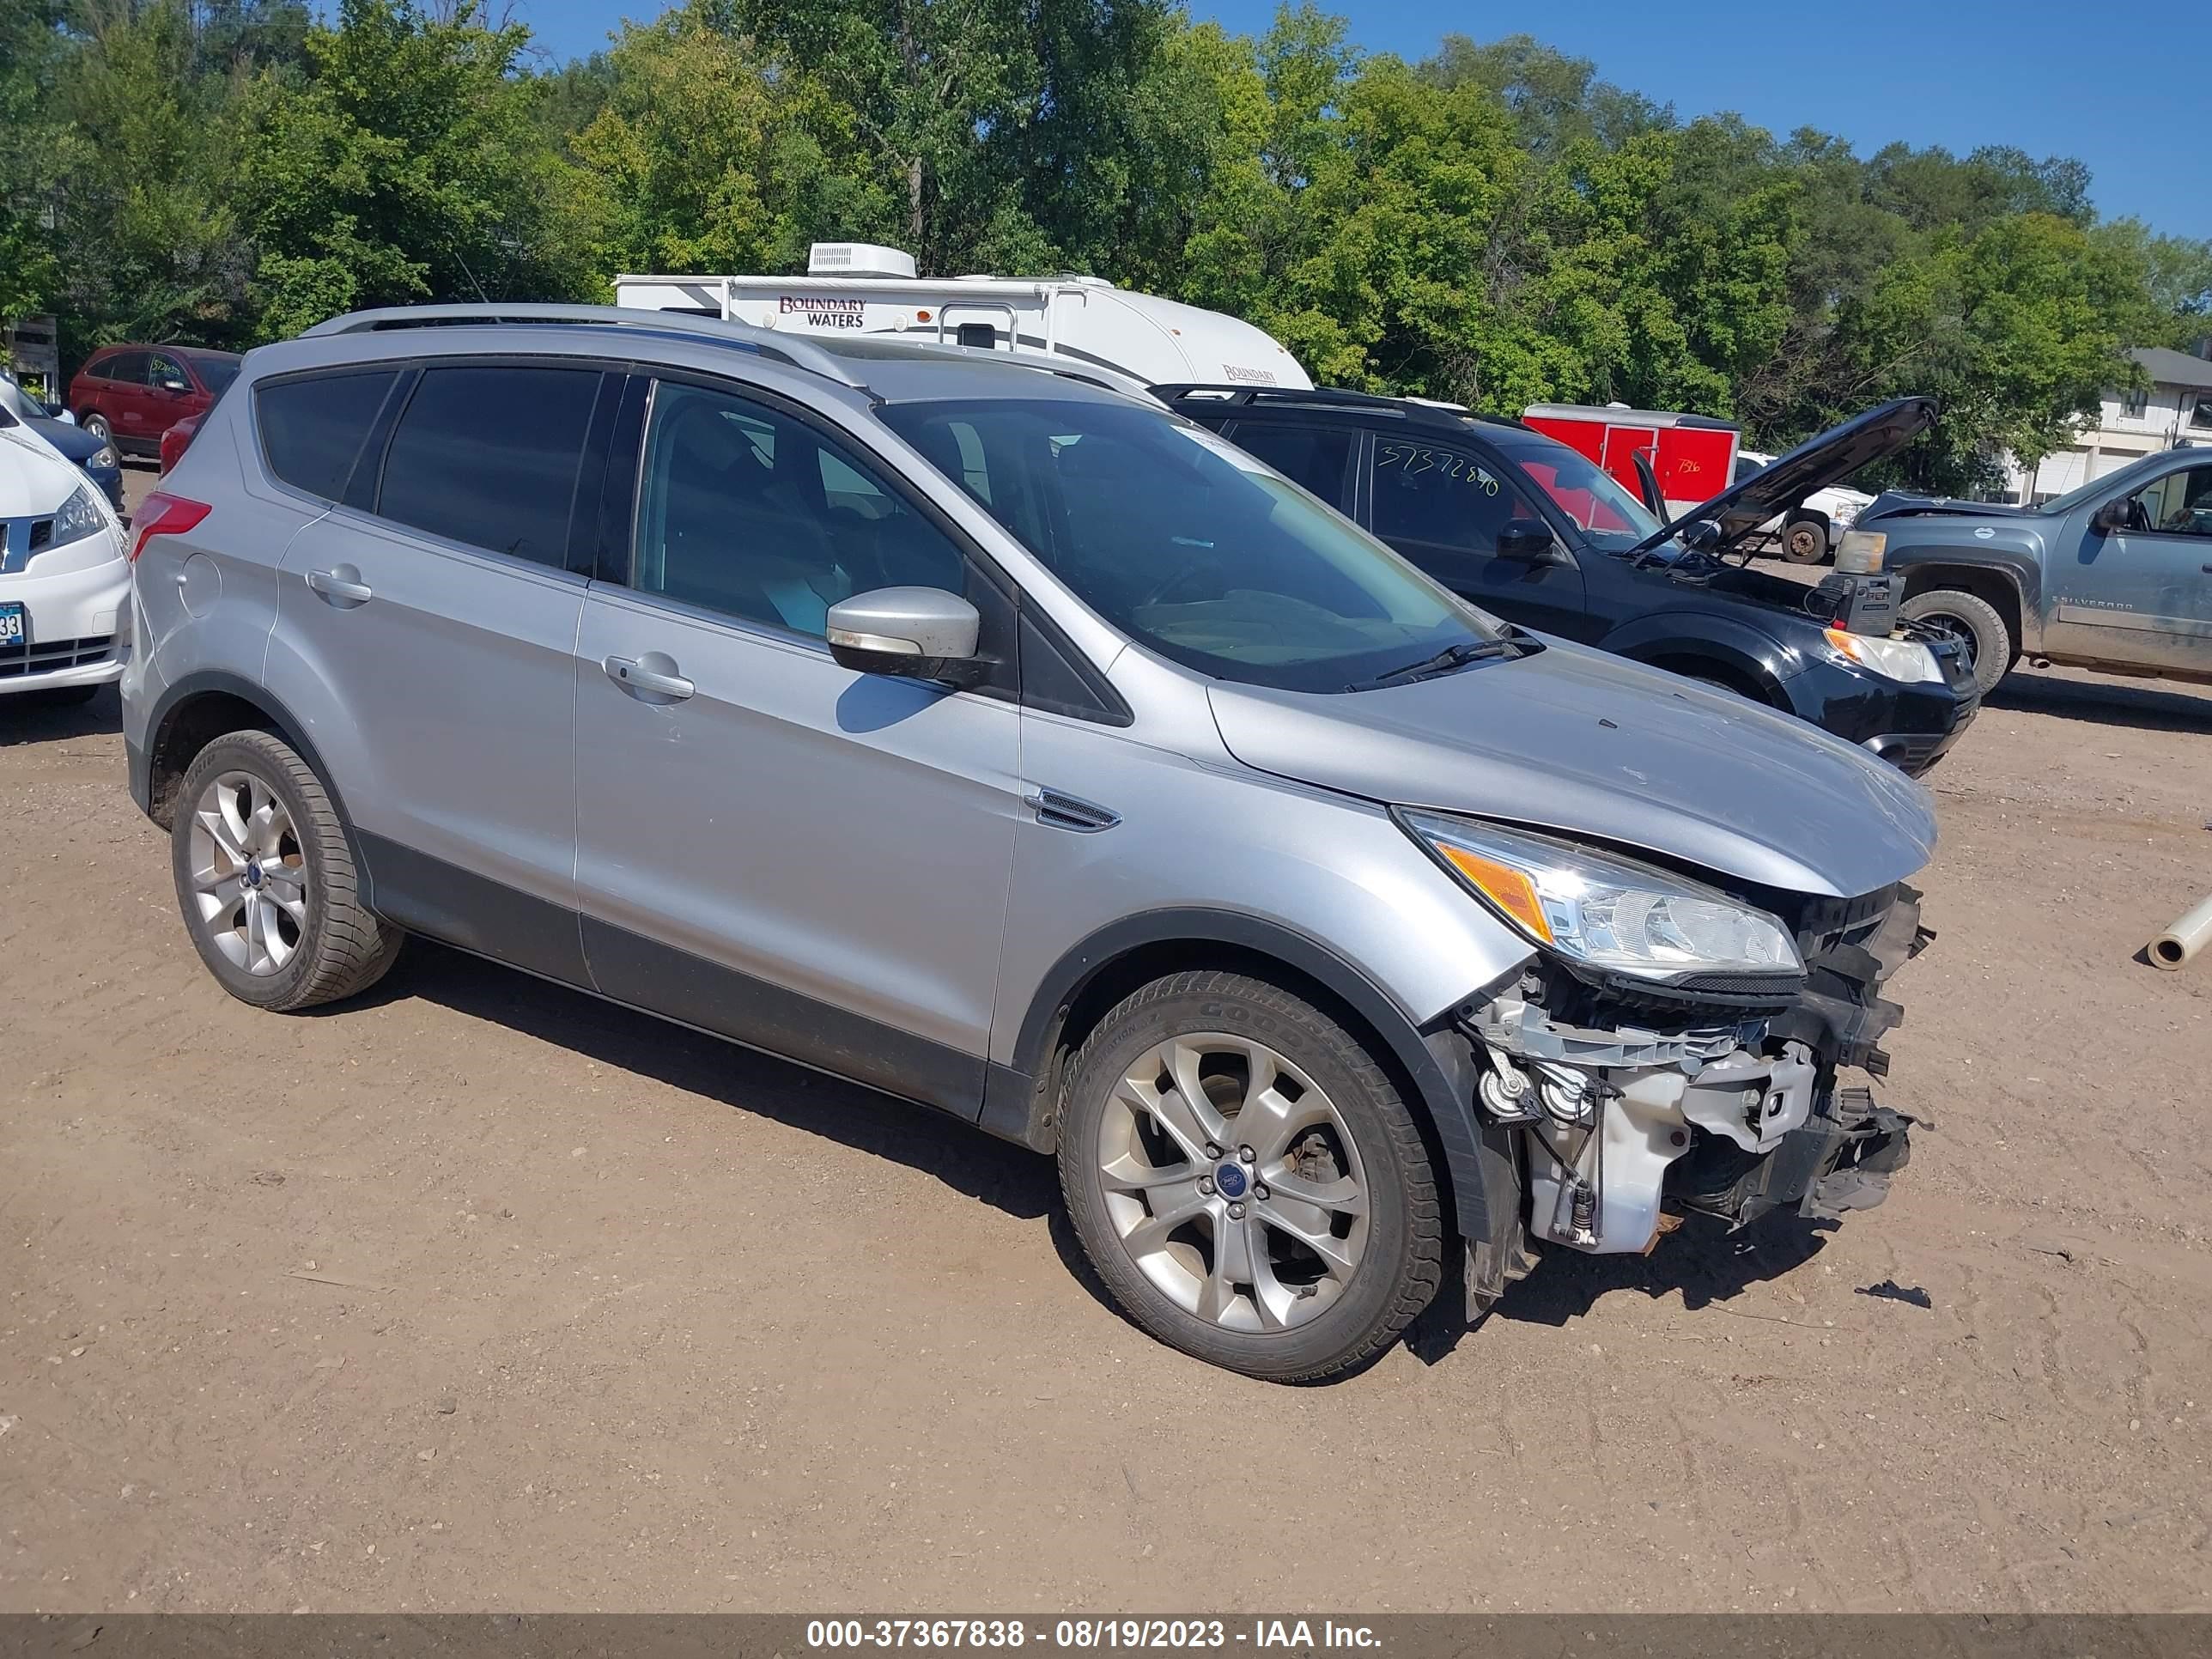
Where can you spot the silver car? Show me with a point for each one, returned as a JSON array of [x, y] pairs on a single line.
[[1000, 740]]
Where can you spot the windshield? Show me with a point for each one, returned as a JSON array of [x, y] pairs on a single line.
[[1191, 547], [2058, 506], [1613, 519]]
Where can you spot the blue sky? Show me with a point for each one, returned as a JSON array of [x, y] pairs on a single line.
[[2128, 88]]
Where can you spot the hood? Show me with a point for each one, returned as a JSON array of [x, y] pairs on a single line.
[[71, 442], [1577, 742], [1896, 504], [34, 477], [1816, 464]]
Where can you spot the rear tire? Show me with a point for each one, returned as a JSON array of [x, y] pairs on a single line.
[[1306, 1241], [1805, 541], [97, 425], [265, 879], [1975, 623]]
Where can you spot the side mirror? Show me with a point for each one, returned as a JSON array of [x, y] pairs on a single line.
[[916, 633], [1527, 539], [1702, 535], [2110, 519]]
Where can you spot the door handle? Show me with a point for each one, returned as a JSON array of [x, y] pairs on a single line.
[[342, 586], [652, 677]]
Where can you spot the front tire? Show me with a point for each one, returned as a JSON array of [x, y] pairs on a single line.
[[1247, 1180], [267, 881], [1975, 623]]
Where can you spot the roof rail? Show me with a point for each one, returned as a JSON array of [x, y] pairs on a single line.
[[1427, 408], [799, 354]]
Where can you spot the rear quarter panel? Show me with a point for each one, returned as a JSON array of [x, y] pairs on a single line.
[[207, 600]]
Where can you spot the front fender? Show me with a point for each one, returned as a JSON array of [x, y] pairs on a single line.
[[1741, 646], [1437, 1061], [2019, 567]]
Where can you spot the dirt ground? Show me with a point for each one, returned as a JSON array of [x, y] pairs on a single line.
[[478, 1294]]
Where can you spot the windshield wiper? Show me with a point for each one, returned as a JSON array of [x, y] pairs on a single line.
[[1452, 657]]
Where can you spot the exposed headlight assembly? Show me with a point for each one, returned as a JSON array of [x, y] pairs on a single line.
[[1898, 660], [76, 518], [1609, 913], [105, 456]]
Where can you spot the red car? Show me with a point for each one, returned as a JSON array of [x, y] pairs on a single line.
[[176, 439], [132, 394]]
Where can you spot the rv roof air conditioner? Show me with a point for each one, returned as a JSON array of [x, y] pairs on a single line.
[[857, 259]]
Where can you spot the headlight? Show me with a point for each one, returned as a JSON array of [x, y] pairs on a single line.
[[78, 517], [1621, 917], [105, 456], [1898, 660]]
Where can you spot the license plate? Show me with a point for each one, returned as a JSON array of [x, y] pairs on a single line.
[[14, 630]]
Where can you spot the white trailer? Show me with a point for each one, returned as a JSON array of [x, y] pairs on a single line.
[[852, 287]]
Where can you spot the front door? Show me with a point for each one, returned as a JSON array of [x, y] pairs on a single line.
[[2141, 594], [809, 860], [1443, 504], [426, 639]]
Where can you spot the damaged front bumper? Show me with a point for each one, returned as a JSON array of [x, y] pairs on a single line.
[[1605, 1121]]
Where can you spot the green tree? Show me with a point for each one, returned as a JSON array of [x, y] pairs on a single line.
[[148, 242], [408, 164], [704, 159]]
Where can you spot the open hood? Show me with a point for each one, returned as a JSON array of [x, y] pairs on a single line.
[[1834, 456], [1589, 745], [1898, 504]]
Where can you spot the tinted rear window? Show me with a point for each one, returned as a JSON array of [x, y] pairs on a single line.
[[215, 372], [128, 367], [489, 456], [312, 430], [1315, 456]]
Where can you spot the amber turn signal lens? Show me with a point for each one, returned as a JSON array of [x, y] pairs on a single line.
[[1503, 886]]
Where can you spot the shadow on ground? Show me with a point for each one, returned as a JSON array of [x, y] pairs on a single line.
[[27, 717], [961, 1156], [2104, 703]]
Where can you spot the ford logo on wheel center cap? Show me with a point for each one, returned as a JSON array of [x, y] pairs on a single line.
[[1231, 1179]]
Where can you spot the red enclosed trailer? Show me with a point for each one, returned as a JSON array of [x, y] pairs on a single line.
[[1692, 455]]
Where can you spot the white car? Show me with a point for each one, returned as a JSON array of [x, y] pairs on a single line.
[[1818, 521], [65, 576]]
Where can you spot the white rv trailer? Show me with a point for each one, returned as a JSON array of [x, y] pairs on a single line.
[[852, 286]]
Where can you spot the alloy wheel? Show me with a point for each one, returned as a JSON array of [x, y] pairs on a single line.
[[249, 875], [1233, 1183]]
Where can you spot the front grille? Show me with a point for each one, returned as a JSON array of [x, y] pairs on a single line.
[[46, 656], [19, 538]]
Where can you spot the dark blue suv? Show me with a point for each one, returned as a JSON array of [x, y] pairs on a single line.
[[1534, 532]]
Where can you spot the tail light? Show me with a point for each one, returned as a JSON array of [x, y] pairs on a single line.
[[177, 439], [163, 514]]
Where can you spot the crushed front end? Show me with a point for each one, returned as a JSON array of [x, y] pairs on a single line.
[[1609, 1110]]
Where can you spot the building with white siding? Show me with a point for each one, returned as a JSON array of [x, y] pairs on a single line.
[[2174, 409]]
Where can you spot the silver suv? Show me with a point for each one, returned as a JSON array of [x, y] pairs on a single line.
[[1007, 743]]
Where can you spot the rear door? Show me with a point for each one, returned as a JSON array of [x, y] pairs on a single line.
[[426, 634], [1442, 505], [1623, 444], [770, 846], [123, 396]]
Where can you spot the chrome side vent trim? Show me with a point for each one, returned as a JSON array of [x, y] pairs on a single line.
[[1065, 811]]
